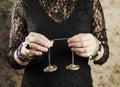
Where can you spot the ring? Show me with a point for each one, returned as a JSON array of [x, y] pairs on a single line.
[[28, 46], [81, 46]]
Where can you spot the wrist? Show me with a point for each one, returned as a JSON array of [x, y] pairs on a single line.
[[22, 57], [100, 54], [98, 51], [18, 60]]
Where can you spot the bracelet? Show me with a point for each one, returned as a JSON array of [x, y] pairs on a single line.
[[21, 56], [97, 51]]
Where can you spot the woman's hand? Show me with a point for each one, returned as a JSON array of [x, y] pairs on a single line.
[[38, 44], [83, 44]]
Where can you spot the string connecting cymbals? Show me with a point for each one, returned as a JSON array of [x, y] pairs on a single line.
[[50, 68], [59, 39], [72, 66]]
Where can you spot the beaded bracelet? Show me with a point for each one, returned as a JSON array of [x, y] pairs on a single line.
[[21, 56], [97, 51]]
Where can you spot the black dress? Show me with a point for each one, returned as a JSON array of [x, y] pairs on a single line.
[[30, 16]]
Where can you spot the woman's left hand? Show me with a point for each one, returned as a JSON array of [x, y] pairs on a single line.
[[82, 44]]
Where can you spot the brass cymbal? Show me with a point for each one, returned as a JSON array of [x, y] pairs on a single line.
[[50, 68], [72, 67]]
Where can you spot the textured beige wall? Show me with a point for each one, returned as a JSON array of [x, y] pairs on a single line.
[[107, 75]]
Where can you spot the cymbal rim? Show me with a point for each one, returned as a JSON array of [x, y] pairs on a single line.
[[51, 68], [72, 67]]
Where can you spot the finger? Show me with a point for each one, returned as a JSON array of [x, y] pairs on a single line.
[[79, 37], [33, 52], [81, 50], [40, 36], [39, 41], [83, 54], [79, 44], [26, 39], [29, 52], [38, 47]]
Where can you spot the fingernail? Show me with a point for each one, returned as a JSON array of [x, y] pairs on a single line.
[[52, 41], [69, 45], [40, 53], [71, 48], [51, 44], [68, 40], [46, 50]]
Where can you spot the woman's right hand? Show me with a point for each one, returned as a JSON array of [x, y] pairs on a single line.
[[38, 44]]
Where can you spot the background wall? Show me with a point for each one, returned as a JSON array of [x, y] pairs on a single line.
[[107, 75]]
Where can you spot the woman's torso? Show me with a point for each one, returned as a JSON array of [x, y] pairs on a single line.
[[80, 21]]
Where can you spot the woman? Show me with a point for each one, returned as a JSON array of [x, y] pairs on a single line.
[[38, 24]]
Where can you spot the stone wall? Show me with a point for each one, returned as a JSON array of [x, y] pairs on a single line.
[[107, 75]]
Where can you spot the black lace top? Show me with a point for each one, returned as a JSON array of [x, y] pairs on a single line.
[[58, 10], [56, 19]]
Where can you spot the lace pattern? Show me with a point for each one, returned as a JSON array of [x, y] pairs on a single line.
[[58, 10], [99, 23], [19, 26]]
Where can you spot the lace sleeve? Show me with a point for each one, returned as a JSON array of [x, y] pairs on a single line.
[[100, 30], [17, 33]]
